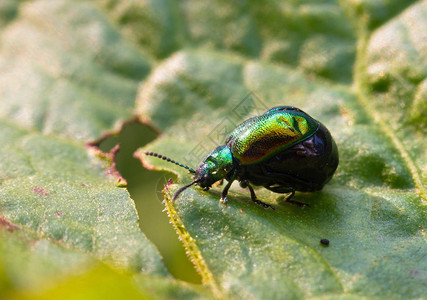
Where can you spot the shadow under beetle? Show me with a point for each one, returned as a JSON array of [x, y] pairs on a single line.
[[284, 150]]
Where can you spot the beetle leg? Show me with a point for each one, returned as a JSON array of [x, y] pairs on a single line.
[[254, 199], [282, 189], [288, 197], [225, 192], [300, 204]]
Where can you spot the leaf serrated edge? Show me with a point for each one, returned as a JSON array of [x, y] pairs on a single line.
[[190, 246], [360, 89]]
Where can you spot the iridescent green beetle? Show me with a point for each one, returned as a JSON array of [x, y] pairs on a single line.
[[284, 150]]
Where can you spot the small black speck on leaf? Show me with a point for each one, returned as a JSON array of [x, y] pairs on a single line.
[[324, 242]]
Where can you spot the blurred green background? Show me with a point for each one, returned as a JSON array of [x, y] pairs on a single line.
[[145, 188]]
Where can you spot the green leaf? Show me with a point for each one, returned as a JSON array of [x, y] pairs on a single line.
[[100, 282], [314, 36], [52, 58], [69, 75], [65, 212], [373, 211]]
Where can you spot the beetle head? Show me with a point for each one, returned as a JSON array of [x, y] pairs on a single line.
[[214, 167]]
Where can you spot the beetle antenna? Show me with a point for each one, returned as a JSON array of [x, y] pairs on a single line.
[[183, 188], [169, 160]]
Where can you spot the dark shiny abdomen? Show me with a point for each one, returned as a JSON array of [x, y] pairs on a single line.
[[306, 166]]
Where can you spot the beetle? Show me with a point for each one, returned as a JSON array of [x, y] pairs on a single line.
[[284, 150]]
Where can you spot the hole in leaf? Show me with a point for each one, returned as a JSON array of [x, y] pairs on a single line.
[[145, 188], [381, 85]]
